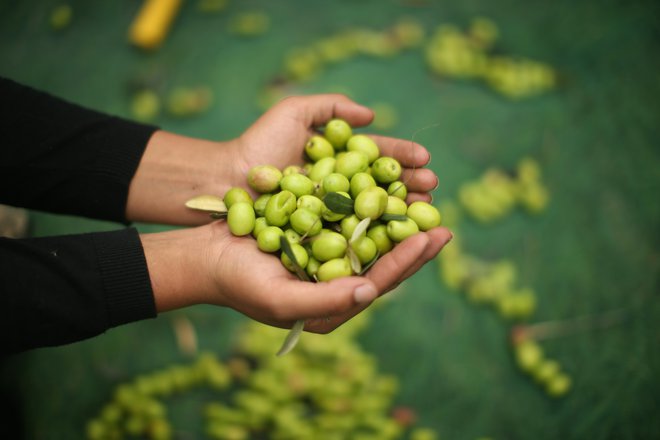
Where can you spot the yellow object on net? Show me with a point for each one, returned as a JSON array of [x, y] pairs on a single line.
[[153, 22]]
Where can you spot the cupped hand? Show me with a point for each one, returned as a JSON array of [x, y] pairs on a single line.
[[278, 138], [257, 284]]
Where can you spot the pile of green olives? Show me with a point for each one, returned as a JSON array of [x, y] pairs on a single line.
[[338, 212]]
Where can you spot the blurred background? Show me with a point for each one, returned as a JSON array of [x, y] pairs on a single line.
[[542, 120]]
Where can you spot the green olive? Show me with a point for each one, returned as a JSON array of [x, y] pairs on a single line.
[[311, 203], [337, 132], [364, 144], [348, 225], [379, 235], [259, 225], [319, 147], [298, 184], [360, 182], [395, 206], [425, 215], [235, 195], [268, 239], [335, 268], [399, 230], [264, 178], [329, 245], [322, 168], [301, 257], [335, 182], [312, 266], [279, 207], [292, 236], [260, 204], [386, 169], [365, 249], [241, 218], [293, 169], [305, 222], [398, 189], [371, 203], [351, 163]]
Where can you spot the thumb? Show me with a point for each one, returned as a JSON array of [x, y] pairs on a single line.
[[314, 300]]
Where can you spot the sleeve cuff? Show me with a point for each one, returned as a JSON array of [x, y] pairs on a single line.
[[125, 277]]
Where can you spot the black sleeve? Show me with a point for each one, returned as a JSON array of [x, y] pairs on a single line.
[[56, 290], [59, 157], [63, 158]]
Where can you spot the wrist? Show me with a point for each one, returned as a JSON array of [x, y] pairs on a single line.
[[178, 263], [174, 169]]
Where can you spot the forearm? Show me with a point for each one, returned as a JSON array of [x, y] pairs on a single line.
[[174, 169]]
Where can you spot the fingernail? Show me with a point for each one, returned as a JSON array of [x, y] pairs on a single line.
[[428, 162], [364, 293]]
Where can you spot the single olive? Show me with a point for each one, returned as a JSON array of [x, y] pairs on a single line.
[[322, 168], [337, 132], [364, 144], [268, 239], [399, 230], [292, 236], [378, 234], [386, 169], [293, 169], [365, 249], [335, 182], [264, 178], [311, 203], [279, 208], [312, 266], [351, 162], [371, 203], [398, 189], [241, 218], [298, 184], [318, 147], [335, 268], [236, 194], [360, 182], [348, 225], [305, 222], [329, 245], [395, 206], [425, 215], [301, 257], [260, 204], [259, 225]]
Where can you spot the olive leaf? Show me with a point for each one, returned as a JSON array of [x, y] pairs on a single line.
[[390, 217], [292, 337], [294, 334], [367, 266], [360, 229], [339, 204], [354, 260], [207, 203]]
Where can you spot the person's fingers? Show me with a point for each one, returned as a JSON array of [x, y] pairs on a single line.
[[301, 299], [389, 268], [408, 153], [418, 197], [438, 238], [420, 180], [319, 109]]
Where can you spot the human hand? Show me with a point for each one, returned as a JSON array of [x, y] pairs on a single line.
[[209, 265]]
